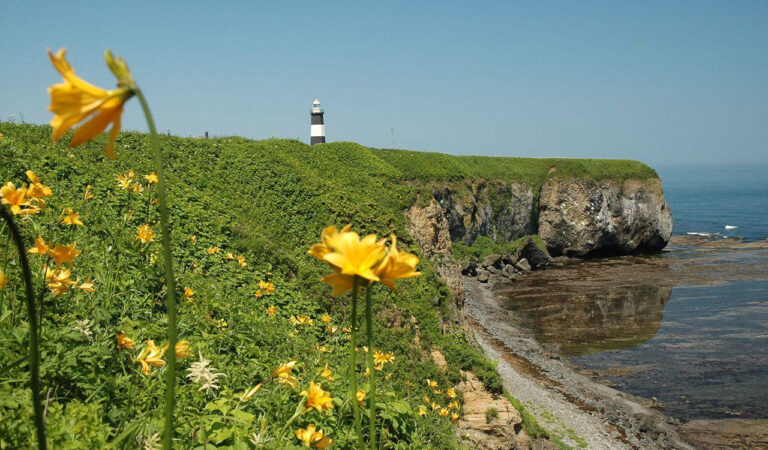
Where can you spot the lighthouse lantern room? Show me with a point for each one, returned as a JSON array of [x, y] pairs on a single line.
[[317, 128]]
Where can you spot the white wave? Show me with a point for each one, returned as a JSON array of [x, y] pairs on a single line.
[[731, 227]]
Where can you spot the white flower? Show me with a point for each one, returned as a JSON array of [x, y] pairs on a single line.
[[199, 372], [152, 442], [84, 327]]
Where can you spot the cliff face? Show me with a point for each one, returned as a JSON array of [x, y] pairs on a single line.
[[582, 217], [574, 216]]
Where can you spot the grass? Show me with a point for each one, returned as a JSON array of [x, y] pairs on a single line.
[[422, 166], [266, 200]]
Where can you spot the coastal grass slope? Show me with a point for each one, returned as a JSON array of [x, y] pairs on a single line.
[[267, 201]]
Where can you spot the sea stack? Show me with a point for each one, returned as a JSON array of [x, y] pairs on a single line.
[[317, 128]]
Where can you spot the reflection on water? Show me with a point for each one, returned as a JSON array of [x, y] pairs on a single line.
[[585, 321], [702, 351]]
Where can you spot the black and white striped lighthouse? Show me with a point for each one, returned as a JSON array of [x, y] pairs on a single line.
[[317, 129]]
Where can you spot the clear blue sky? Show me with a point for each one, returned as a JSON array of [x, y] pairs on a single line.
[[662, 82]]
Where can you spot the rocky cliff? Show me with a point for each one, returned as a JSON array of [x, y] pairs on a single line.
[[577, 217], [574, 216]]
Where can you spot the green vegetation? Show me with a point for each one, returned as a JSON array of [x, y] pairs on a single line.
[[490, 414], [423, 166], [268, 201], [484, 246]]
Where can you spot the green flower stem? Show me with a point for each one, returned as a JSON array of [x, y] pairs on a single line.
[[34, 342], [299, 411], [353, 364], [371, 371], [170, 281]]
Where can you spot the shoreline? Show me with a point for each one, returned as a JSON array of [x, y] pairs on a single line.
[[578, 411], [582, 410]]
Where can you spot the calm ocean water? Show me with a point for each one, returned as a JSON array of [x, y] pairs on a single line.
[[699, 347], [704, 199], [709, 357]]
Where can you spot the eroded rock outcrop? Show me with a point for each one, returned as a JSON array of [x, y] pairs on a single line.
[[574, 216], [581, 217]]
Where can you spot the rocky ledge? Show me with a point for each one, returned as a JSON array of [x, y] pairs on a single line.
[[574, 216], [499, 269]]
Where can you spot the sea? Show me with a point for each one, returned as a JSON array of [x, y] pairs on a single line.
[[727, 200], [709, 357], [697, 346]]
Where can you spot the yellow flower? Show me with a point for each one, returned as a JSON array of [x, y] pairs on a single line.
[[426, 399], [396, 265], [360, 395], [341, 283], [455, 417], [450, 392], [17, 199], [58, 281], [317, 398], [324, 349], [325, 318], [247, 395], [124, 341], [182, 349], [302, 320], [258, 293], [453, 405], [270, 288], [354, 255], [69, 217], [88, 194], [152, 178], [284, 374], [151, 355], [87, 286], [229, 256], [329, 238], [444, 412], [422, 411], [431, 384], [263, 284], [241, 260], [193, 238], [136, 188], [326, 373], [271, 311], [213, 250], [76, 100], [189, 294], [435, 406], [64, 254], [123, 181], [131, 175], [331, 329], [40, 248], [313, 438], [3, 280], [36, 188], [382, 358], [144, 234]]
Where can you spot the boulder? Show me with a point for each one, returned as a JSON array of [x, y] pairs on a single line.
[[492, 260], [469, 269], [537, 257], [523, 266], [492, 269], [482, 277], [506, 258]]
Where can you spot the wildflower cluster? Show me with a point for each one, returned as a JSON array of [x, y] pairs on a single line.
[[27, 199], [451, 409]]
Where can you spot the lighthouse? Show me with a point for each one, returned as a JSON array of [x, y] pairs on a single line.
[[317, 128]]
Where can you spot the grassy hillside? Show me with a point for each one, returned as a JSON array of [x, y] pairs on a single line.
[[268, 201]]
